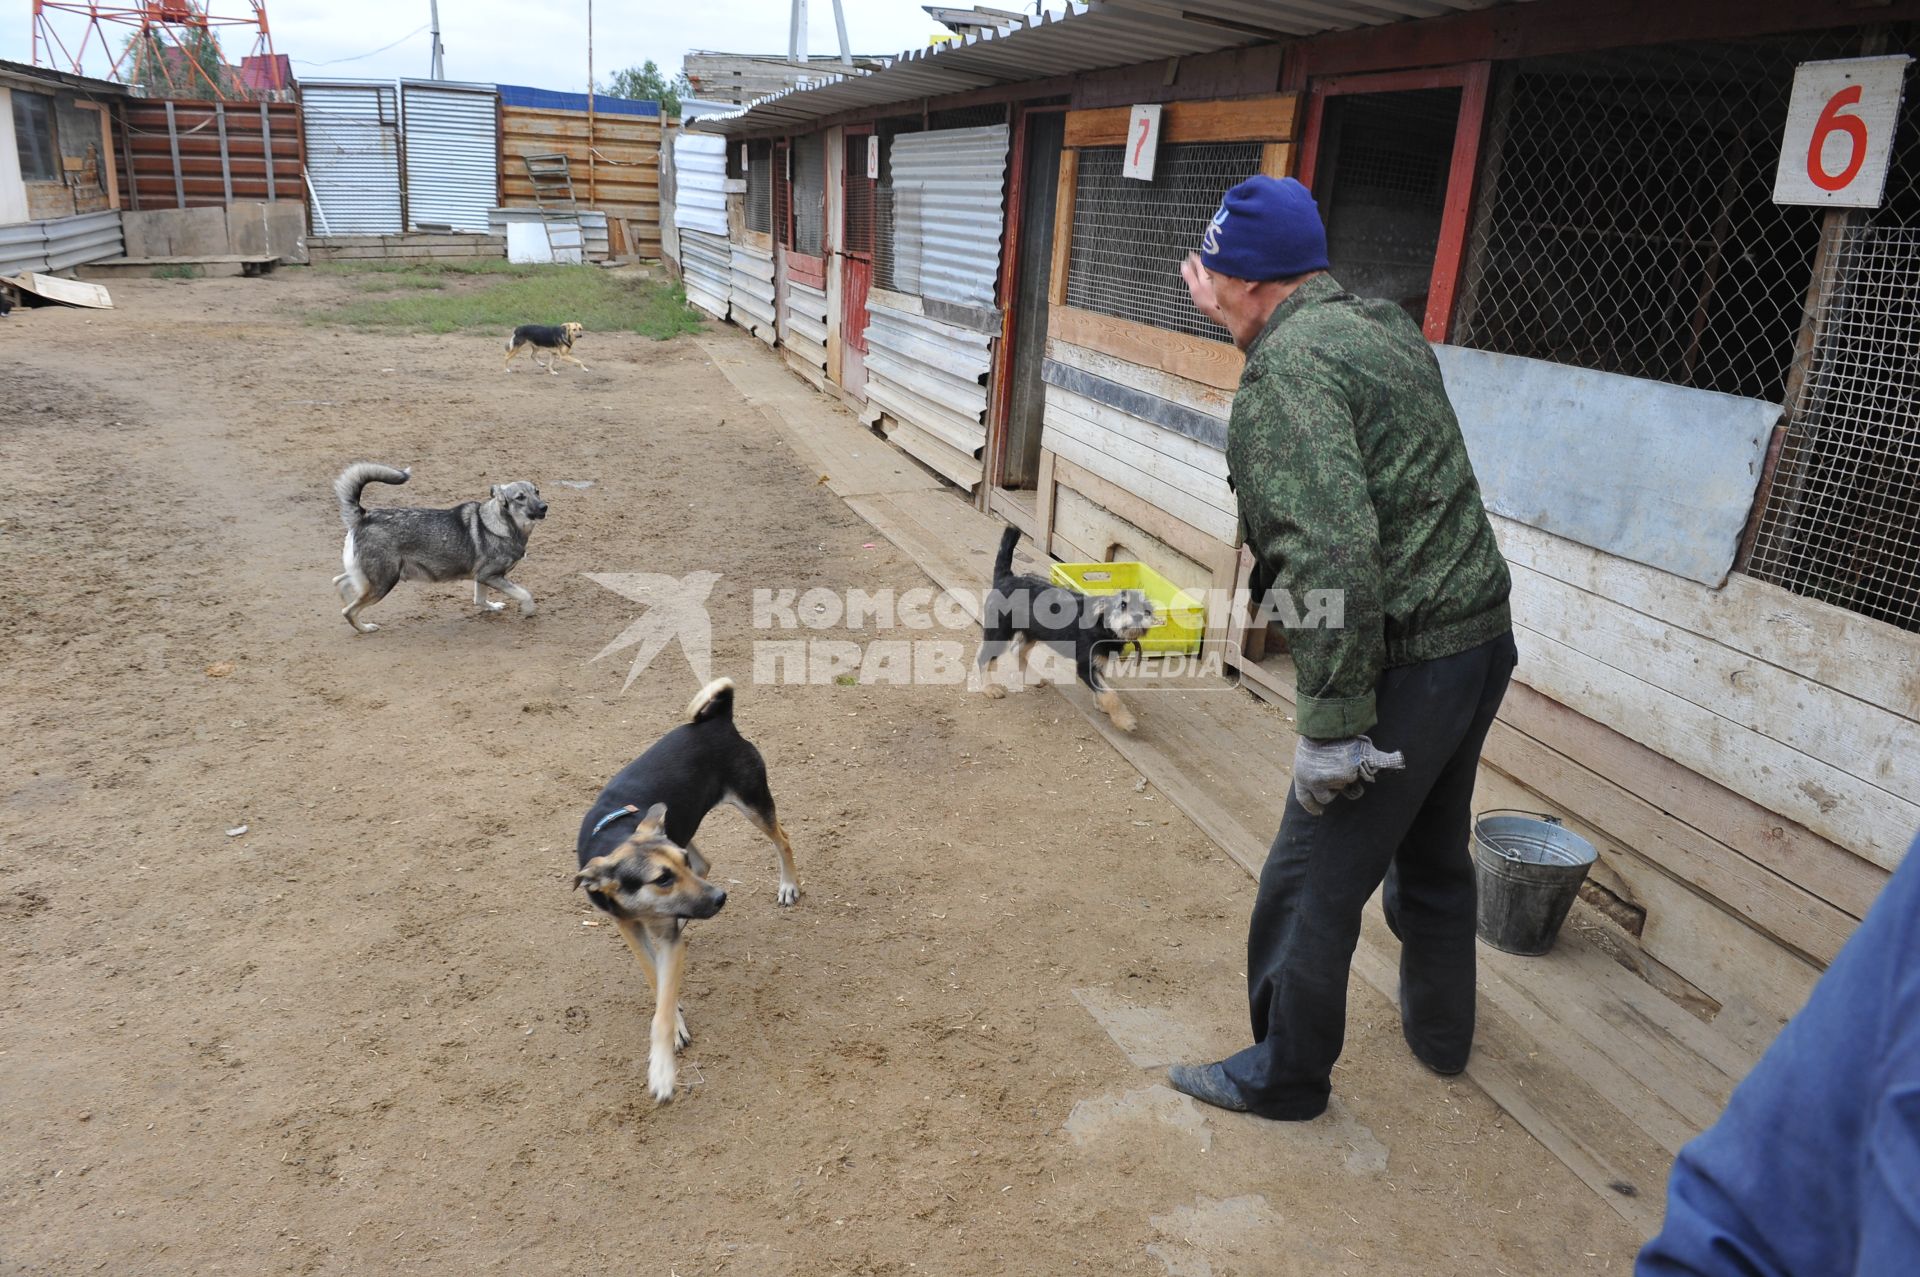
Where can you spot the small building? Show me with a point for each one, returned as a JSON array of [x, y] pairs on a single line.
[[59, 191], [1691, 397]]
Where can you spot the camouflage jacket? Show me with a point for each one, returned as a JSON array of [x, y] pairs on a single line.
[[1352, 476]]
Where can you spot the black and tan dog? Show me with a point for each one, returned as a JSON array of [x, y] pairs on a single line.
[[556, 339], [638, 861], [1022, 611]]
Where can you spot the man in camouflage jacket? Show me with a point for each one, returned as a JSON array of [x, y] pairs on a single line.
[[1352, 477]]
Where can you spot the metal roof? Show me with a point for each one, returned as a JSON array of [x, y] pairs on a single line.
[[1090, 35]]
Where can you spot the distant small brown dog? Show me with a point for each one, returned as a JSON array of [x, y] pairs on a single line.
[[556, 339]]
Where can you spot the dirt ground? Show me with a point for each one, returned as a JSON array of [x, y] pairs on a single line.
[[377, 1033]]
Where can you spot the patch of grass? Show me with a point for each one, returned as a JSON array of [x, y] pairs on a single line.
[[389, 283], [430, 298], [178, 270]]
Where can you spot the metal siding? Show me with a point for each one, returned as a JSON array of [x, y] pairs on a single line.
[[706, 270], [700, 176], [59, 243], [807, 323], [452, 141], [753, 292], [353, 158], [930, 375], [947, 191]]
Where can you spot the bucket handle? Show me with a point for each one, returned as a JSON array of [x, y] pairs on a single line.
[[1547, 817], [1544, 818]]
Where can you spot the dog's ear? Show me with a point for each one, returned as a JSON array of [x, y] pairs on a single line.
[[494, 491], [598, 873], [653, 823]]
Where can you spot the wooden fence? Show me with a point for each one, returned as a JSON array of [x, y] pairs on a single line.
[[188, 154], [618, 172]]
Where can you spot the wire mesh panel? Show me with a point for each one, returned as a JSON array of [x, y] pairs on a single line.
[[810, 194], [1625, 219], [1842, 519], [759, 210], [1129, 237], [860, 187], [1385, 159]]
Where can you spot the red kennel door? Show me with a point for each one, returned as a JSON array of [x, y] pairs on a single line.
[[856, 272]]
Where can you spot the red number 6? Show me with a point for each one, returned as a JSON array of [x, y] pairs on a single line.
[[1852, 125]]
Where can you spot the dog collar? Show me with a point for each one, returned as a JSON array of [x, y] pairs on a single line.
[[612, 816]]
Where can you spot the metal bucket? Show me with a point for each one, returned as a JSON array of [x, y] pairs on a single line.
[[1529, 868]]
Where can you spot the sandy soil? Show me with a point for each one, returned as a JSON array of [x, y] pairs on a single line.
[[377, 1033]]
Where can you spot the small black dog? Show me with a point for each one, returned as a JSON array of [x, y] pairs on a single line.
[[649, 875], [1020, 611]]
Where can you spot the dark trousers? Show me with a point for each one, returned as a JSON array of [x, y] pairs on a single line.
[[1411, 831]]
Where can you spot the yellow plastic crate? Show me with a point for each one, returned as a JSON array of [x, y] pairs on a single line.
[[1183, 617]]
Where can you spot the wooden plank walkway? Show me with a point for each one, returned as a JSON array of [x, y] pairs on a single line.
[[1601, 1067]]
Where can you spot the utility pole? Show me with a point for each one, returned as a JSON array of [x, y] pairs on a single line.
[[591, 174], [439, 50], [797, 34]]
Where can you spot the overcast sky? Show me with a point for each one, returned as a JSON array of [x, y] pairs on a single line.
[[538, 42]]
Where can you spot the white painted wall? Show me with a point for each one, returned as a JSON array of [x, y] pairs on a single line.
[[13, 192]]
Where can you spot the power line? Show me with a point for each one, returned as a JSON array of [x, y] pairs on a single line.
[[359, 56]]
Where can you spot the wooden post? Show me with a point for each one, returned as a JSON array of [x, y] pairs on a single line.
[[226, 164], [173, 145], [126, 150], [1450, 257], [266, 154]]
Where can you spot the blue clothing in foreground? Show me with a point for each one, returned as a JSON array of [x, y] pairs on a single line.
[[1815, 1165]]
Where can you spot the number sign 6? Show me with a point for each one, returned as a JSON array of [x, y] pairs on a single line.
[[1831, 121], [1839, 133]]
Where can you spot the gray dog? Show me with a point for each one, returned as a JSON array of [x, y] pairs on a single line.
[[478, 539]]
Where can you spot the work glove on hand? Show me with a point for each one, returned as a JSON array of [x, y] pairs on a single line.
[[1324, 768]]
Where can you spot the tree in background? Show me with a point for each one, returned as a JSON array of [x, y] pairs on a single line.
[[192, 68], [647, 83]]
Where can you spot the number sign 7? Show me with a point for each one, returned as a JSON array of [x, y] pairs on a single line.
[[1839, 134]]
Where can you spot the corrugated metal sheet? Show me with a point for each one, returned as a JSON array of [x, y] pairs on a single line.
[[1085, 37], [807, 324], [947, 212], [706, 270], [932, 377], [59, 243], [700, 176], [353, 156], [593, 226], [753, 292], [452, 138]]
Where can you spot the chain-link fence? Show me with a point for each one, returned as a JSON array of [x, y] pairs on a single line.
[[1842, 518], [1129, 237], [1625, 218]]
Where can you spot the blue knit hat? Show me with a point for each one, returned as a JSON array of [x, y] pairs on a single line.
[[1267, 228]]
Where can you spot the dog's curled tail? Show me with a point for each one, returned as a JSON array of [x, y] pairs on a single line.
[[1003, 564], [357, 476], [715, 700]]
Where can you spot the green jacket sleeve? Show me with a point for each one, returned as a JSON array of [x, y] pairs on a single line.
[[1310, 520]]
